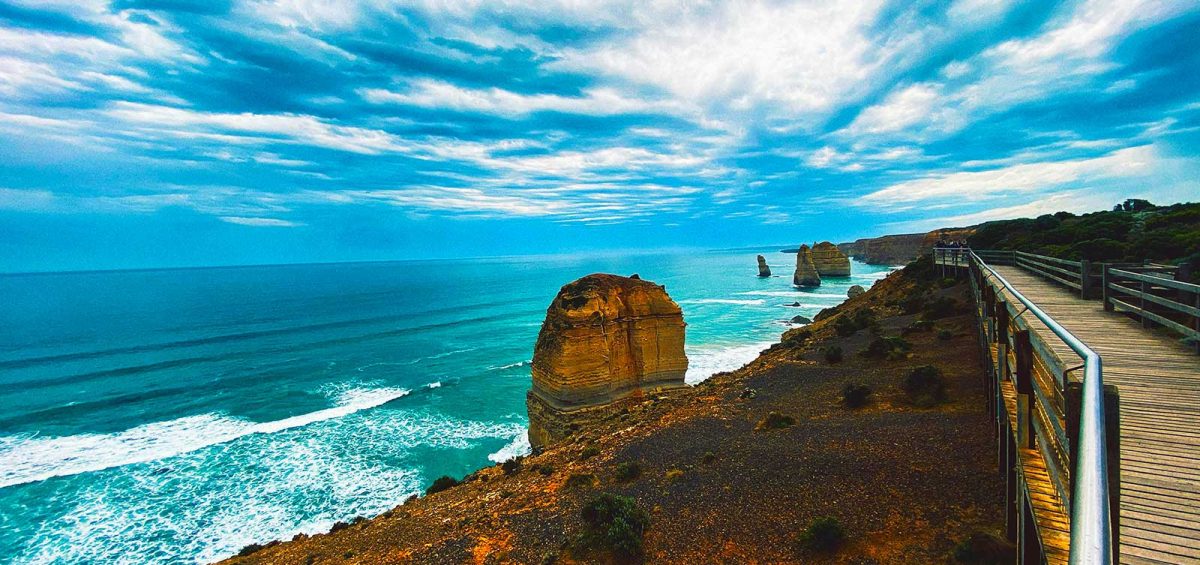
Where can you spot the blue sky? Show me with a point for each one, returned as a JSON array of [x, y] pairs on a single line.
[[138, 133]]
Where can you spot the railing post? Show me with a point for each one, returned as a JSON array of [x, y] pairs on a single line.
[[1104, 278], [1112, 436], [1073, 411], [1023, 348], [1085, 280], [1145, 286]]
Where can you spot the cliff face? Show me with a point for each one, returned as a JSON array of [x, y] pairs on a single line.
[[830, 261], [900, 249], [806, 272], [763, 269], [605, 338]]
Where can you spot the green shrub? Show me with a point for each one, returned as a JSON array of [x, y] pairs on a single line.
[[674, 475], [338, 526], [985, 549], [546, 469], [589, 452], [708, 457], [775, 421], [442, 483], [945, 335], [822, 535], [796, 337], [627, 471], [941, 307], [912, 304], [833, 354], [855, 395], [580, 480], [891, 347], [845, 326], [917, 326], [250, 549], [947, 282], [511, 466], [614, 523], [925, 386]]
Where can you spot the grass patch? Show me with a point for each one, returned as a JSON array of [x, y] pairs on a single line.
[[925, 386], [440, 484], [855, 395], [775, 421], [580, 480], [674, 475], [614, 523], [824, 534]]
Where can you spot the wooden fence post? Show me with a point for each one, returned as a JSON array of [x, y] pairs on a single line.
[[1085, 279], [1112, 436], [1073, 401], [1023, 348], [1108, 306]]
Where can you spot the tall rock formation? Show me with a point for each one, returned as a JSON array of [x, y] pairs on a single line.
[[763, 269], [806, 272], [830, 261], [605, 338]]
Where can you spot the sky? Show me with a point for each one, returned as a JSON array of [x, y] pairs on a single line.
[[147, 133]]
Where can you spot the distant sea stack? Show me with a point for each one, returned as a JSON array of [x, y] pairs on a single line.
[[763, 269], [605, 338], [806, 272], [830, 261], [900, 249]]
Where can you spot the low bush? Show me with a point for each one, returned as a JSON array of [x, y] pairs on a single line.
[[855, 395], [250, 549], [442, 483], [627, 471], [917, 327], [912, 304], [674, 475], [614, 523], [822, 535], [947, 282], [775, 421], [985, 549], [796, 337], [708, 457], [546, 469], [338, 526], [845, 326], [945, 335], [833, 354], [588, 453], [941, 307], [580, 480], [511, 466], [925, 386], [890, 347]]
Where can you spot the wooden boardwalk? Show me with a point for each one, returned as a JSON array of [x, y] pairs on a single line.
[[1159, 387]]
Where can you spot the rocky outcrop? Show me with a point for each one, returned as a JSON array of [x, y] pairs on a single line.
[[763, 269], [806, 273], [854, 291], [605, 338], [830, 261]]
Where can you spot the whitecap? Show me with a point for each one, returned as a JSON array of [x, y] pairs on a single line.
[[25, 459], [518, 447], [704, 362], [754, 302]]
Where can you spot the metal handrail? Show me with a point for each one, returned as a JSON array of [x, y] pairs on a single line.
[[1091, 525]]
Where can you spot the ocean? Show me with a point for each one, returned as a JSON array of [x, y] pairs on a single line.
[[175, 416]]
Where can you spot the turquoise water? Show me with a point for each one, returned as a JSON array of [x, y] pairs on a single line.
[[178, 415]]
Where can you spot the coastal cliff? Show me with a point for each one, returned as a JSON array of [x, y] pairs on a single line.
[[820, 428], [900, 249], [830, 261], [604, 338]]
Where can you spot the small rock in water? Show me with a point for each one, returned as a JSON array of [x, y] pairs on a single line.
[[801, 320], [795, 304]]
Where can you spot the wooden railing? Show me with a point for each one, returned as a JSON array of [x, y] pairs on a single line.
[[1057, 427], [1150, 292]]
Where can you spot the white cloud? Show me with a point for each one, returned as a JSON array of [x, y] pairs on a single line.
[[427, 93], [970, 186], [900, 110], [1074, 201], [259, 222]]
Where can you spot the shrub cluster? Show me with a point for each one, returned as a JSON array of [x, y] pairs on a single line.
[[627, 471], [615, 523], [925, 386], [941, 307], [849, 324], [588, 453], [985, 549], [833, 354], [822, 535], [510, 466], [945, 335], [775, 421], [855, 395], [889, 347], [442, 483], [580, 480]]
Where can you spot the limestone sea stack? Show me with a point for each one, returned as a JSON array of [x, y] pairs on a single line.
[[806, 272], [763, 269], [605, 338], [830, 261]]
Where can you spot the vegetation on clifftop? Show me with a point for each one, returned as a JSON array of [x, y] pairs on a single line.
[[1135, 230]]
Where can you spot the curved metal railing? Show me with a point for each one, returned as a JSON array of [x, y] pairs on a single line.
[[1091, 525]]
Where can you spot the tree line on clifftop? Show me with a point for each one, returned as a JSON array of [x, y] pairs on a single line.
[[1133, 231]]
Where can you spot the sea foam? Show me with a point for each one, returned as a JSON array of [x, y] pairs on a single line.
[[30, 458]]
